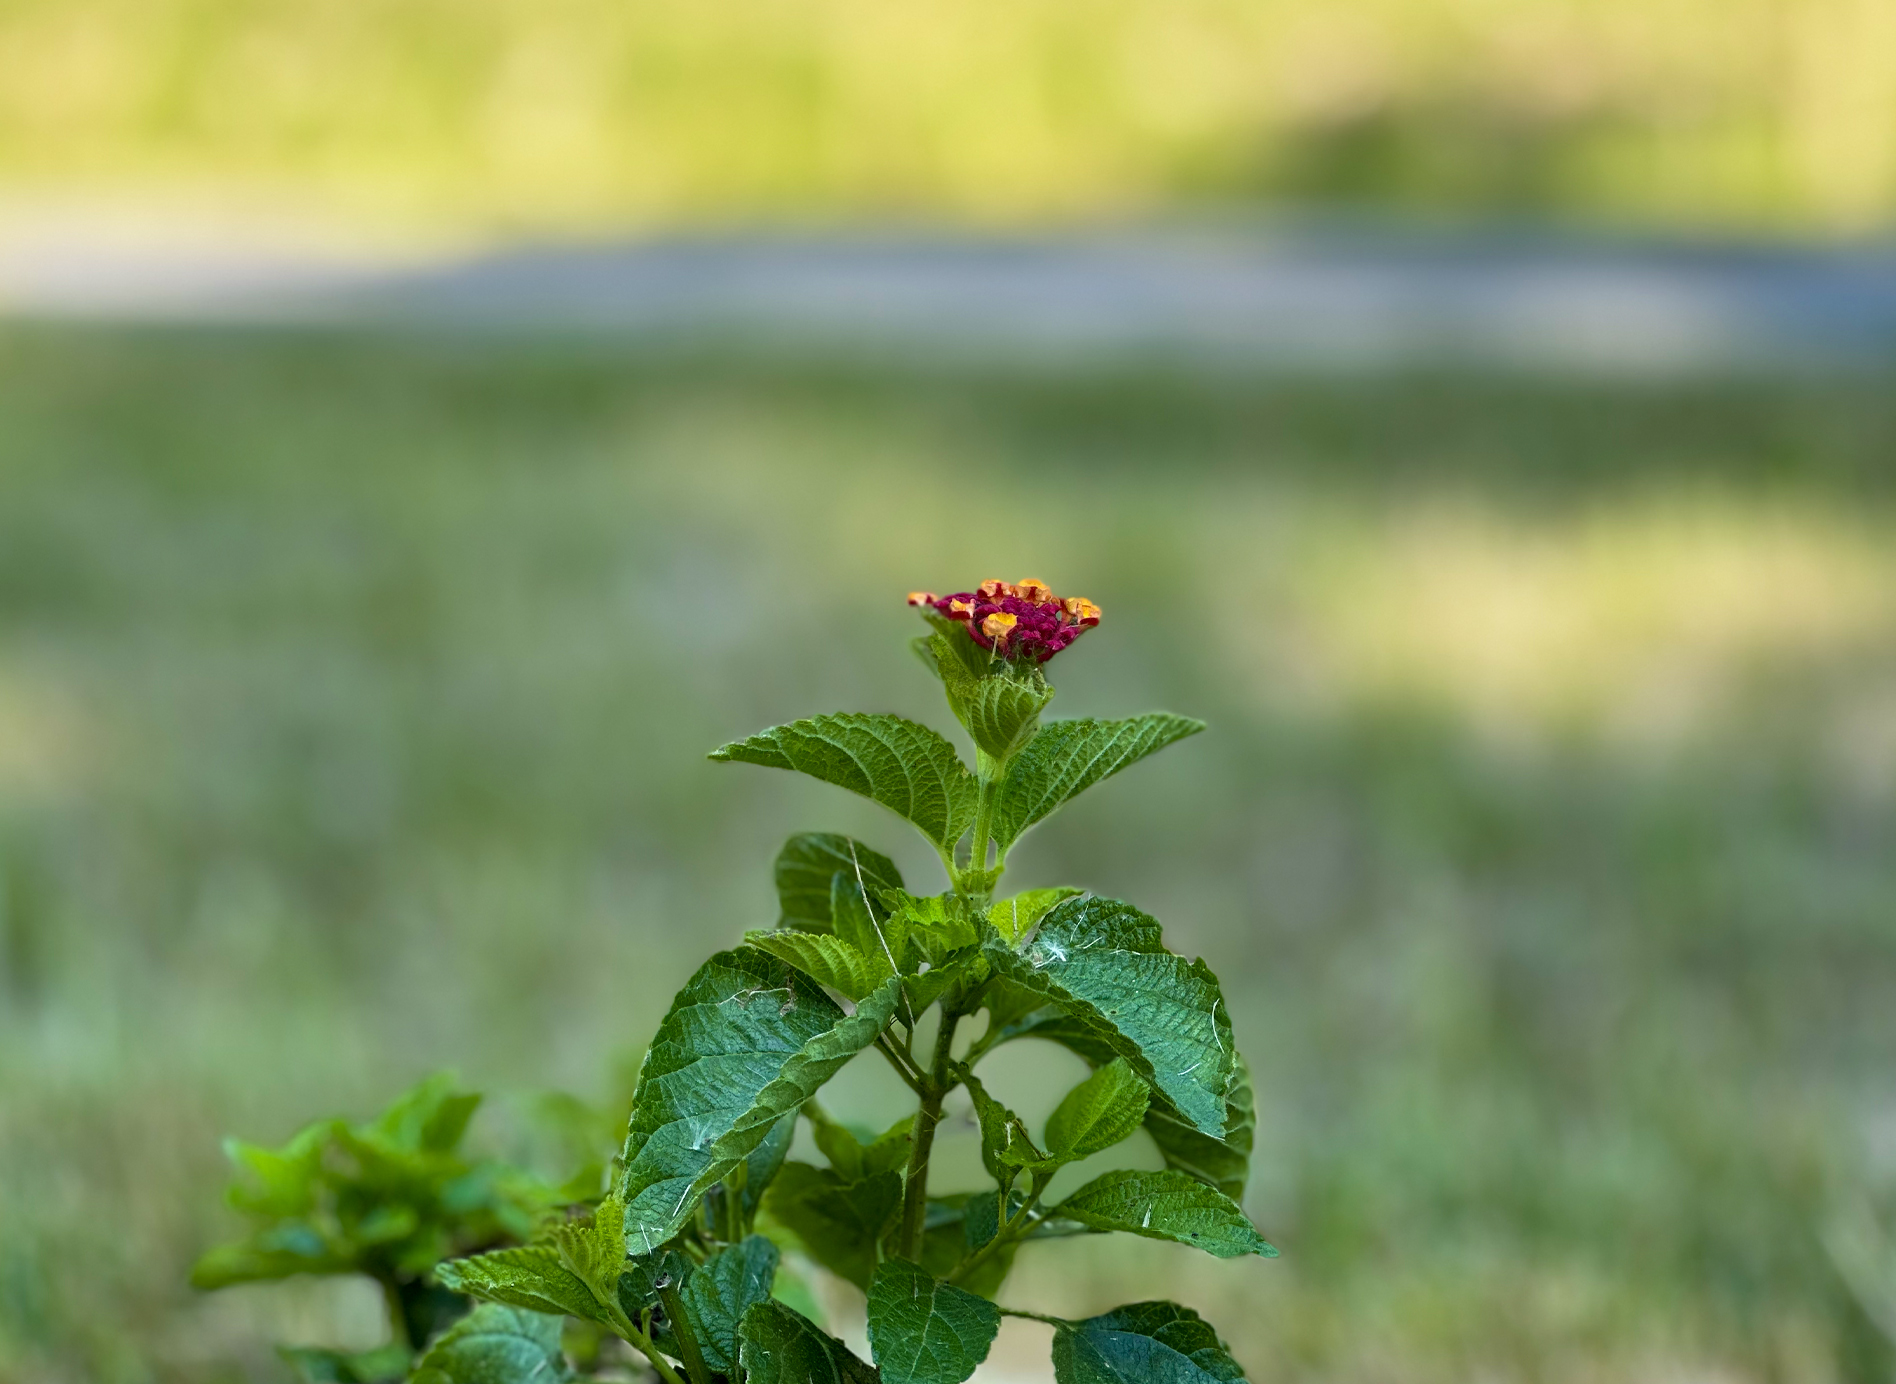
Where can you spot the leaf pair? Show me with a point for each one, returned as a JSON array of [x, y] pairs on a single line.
[[916, 774]]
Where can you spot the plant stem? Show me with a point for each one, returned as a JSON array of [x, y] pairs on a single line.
[[1005, 1234], [922, 1139], [900, 1061], [1033, 1316], [681, 1331]]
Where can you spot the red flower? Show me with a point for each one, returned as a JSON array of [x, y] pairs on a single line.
[[1015, 621]]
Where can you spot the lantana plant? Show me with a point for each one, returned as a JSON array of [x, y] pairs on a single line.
[[680, 1257]]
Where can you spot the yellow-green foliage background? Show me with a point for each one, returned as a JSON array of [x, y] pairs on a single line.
[[561, 114]]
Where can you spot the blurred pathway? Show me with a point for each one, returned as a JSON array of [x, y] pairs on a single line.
[[1296, 299]]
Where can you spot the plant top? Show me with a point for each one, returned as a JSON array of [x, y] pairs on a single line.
[[691, 1258]]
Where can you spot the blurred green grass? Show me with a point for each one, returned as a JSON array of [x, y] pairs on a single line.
[[353, 703], [562, 115]]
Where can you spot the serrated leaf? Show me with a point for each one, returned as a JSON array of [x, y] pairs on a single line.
[[531, 1277], [495, 1344], [837, 1222], [1105, 963], [1002, 713], [1006, 1147], [1102, 1110], [908, 768], [594, 1249], [1224, 1163], [806, 865], [1143, 1343], [824, 958], [934, 926], [1068, 757], [746, 1042], [721, 1290], [925, 1332], [1014, 918], [1166, 1205], [780, 1346]]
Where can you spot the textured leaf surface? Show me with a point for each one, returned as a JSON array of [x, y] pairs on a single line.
[[1223, 1163], [532, 1278], [837, 1221], [864, 921], [1106, 965], [785, 1347], [1144, 1343], [824, 958], [1102, 1110], [721, 1290], [1166, 1205], [925, 1332], [1014, 918], [908, 768], [1068, 757], [806, 865], [495, 1344], [1002, 714], [747, 1041]]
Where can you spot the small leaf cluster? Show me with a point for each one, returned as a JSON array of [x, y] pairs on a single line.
[[682, 1257], [388, 1200]]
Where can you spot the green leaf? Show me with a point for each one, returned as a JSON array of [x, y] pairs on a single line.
[[852, 1158], [836, 1221], [495, 1344], [531, 1277], [1223, 1163], [595, 1248], [1105, 964], [863, 921], [314, 1365], [806, 865], [824, 958], [1006, 1147], [925, 1332], [721, 1290], [764, 1162], [1014, 918], [1144, 1343], [1068, 757], [908, 768], [1102, 1110], [937, 924], [747, 1041], [1166, 1205], [646, 1276], [1002, 713], [785, 1347]]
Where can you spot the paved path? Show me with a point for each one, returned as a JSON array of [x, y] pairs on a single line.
[[1336, 300]]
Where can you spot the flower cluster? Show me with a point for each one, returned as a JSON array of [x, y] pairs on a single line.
[[1015, 620]]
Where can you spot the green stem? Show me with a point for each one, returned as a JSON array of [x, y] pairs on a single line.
[[922, 1138], [1009, 1231], [681, 1332], [900, 1061], [1034, 1316]]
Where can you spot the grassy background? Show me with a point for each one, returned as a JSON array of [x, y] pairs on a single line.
[[353, 703], [559, 115]]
